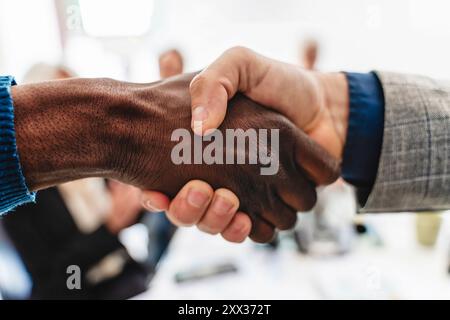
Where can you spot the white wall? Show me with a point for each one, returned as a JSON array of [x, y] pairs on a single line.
[[28, 34], [401, 35]]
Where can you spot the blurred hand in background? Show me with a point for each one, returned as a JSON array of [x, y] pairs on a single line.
[[126, 206]]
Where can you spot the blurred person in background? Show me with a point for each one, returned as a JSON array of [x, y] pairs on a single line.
[[308, 53], [170, 63], [77, 223]]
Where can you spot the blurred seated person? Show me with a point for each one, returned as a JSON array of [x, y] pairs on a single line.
[[77, 223]]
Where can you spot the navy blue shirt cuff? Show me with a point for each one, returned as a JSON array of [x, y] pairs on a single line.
[[365, 133]]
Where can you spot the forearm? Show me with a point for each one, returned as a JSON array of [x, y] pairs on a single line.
[[72, 129], [396, 143]]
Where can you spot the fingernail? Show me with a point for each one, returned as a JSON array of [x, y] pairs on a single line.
[[197, 127], [197, 199], [221, 205], [149, 205], [199, 114]]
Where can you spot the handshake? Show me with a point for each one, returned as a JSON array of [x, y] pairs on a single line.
[[236, 149]]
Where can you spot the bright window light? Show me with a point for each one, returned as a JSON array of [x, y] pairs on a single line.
[[430, 15], [116, 18]]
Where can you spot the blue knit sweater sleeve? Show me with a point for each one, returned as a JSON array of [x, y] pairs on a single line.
[[13, 189]]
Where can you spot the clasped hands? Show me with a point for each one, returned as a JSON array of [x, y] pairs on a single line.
[[240, 90], [77, 128]]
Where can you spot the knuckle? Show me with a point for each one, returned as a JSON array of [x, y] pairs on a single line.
[[239, 56], [184, 218], [288, 221], [236, 235], [234, 238], [261, 231], [238, 51], [229, 195], [200, 185], [244, 232], [310, 199], [198, 82], [208, 229], [262, 237], [333, 172]]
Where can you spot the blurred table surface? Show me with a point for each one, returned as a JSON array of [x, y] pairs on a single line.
[[399, 269]]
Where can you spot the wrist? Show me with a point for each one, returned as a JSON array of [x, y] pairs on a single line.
[[337, 103], [137, 122]]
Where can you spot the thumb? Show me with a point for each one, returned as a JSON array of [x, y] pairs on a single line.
[[213, 87], [236, 69], [209, 98]]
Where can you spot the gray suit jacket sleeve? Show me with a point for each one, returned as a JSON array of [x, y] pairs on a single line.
[[414, 166]]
